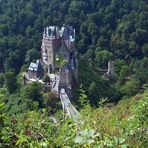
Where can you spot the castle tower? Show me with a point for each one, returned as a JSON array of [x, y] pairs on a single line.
[[50, 44], [68, 35]]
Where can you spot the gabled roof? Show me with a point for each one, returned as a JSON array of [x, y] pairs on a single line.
[[65, 32], [34, 66], [68, 33]]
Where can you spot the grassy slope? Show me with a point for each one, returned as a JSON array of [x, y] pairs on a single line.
[[120, 125], [128, 119]]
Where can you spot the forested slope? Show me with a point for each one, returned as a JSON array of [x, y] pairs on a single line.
[[106, 30], [118, 26]]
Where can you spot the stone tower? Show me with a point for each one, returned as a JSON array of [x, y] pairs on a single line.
[[50, 44]]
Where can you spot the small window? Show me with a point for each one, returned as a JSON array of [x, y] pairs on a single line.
[[49, 32], [57, 58]]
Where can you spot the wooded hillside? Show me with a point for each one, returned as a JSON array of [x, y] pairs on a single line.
[[115, 26]]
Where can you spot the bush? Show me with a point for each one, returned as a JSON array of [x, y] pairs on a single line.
[[130, 88], [10, 81]]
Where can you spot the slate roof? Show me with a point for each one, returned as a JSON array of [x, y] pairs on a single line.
[[34, 66], [65, 32]]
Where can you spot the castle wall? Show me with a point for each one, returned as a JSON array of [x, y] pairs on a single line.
[[66, 82], [49, 48], [32, 74]]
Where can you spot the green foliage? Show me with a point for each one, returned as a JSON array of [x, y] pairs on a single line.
[[130, 88], [123, 74], [24, 68], [89, 54], [141, 70], [95, 85], [13, 61], [2, 79], [136, 125], [106, 30], [31, 55], [46, 79], [2, 117], [26, 98], [32, 92], [60, 60], [106, 25], [86, 137], [10, 81], [50, 100], [92, 88], [145, 48], [100, 127], [83, 99], [118, 66], [102, 57]]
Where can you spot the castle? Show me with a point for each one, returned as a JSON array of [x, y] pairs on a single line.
[[58, 57], [59, 60]]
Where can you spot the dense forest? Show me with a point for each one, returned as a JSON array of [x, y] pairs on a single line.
[[106, 30]]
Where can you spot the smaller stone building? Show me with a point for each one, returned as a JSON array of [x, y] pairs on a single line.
[[35, 70]]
